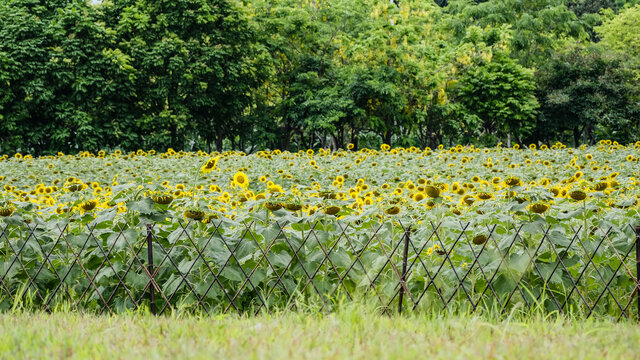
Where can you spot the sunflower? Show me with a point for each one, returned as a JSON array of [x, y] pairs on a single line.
[[194, 214], [240, 179], [210, 165], [513, 181], [332, 210], [162, 199], [432, 191], [272, 206], [578, 195], [6, 211], [479, 239], [89, 205], [418, 196], [394, 210], [75, 187], [538, 208], [601, 186], [292, 206], [467, 200]]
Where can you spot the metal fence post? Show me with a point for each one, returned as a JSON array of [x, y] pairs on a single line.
[[404, 268], [152, 295], [638, 267]]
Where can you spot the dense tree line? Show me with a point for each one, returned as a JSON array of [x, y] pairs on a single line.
[[254, 74]]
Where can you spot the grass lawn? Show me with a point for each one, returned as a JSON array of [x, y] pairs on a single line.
[[346, 334]]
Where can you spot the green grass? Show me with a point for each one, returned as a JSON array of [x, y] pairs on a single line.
[[350, 333]]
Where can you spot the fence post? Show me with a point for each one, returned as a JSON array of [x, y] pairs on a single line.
[[638, 267], [404, 268], [152, 295]]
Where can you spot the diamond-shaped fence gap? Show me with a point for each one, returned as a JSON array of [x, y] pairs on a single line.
[[290, 268], [476, 261], [525, 294], [363, 269], [520, 258], [607, 284], [388, 250], [67, 280], [275, 258], [211, 247], [534, 257], [628, 275], [590, 256], [432, 278], [91, 288], [491, 282], [358, 255], [107, 266], [447, 259], [18, 258], [207, 276], [5, 255], [580, 270], [437, 275], [326, 267], [183, 265], [356, 273], [141, 268], [237, 277], [469, 276], [332, 270], [47, 265], [562, 257], [635, 278]]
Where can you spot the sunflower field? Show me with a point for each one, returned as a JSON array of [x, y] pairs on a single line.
[[243, 231]]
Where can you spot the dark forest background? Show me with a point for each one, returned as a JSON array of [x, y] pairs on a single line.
[[297, 74]]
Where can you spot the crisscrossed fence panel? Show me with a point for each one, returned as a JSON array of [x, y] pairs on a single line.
[[251, 267]]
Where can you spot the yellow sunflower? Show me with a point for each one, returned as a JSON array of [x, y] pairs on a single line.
[[240, 179]]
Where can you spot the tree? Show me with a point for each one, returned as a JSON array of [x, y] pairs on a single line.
[[500, 94], [622, 33], [535, 26], [194, 72], [587, 92], [59, 80]]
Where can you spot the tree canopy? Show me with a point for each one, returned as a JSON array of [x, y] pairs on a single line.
[[295, 74]]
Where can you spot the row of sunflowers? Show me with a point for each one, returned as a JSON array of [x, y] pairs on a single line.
[[417, 184]]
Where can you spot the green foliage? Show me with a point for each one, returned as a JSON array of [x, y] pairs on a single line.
[[588, 93], [255, 74], [500, 95], [621, 33]]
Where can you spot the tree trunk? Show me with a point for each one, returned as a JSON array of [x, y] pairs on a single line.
[[387, 137], [576, 136], [219, 142]]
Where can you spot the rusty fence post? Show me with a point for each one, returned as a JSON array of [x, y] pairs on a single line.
[[152, 295], [404, 268], [638, 267]]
